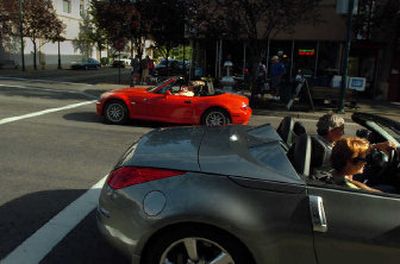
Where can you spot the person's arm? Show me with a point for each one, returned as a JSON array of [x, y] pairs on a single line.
[[363, 186], [386, 146]]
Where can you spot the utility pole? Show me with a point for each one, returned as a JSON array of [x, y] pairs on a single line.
[[346, 56], [21, 33]]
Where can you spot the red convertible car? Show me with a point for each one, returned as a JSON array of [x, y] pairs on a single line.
[[174, 101]]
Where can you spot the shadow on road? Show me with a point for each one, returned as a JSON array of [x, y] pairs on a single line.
[[21, 217], [85, 245], [40, 93], [89, 117]]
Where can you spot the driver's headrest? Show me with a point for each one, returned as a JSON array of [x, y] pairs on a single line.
[[301, 155], [285, 130], [289, 130]]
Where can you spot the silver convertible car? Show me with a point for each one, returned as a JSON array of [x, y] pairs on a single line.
[[234, 195]]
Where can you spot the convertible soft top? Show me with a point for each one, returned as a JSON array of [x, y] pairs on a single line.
[[231, 150]]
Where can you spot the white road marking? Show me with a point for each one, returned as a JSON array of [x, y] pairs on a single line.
[[39, 80], [47, 90], [47, 111], [38, 245]]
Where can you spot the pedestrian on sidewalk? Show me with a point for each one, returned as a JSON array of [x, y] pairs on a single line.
[[136, 70], [277, 72], [145, 69]]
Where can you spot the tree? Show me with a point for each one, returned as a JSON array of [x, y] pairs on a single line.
[[117, 19], [254, 21], [8, 19], [85, 41], [41, 22], [166, 21]]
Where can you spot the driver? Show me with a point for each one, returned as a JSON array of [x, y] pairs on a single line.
[[184, 91], [349, 157]]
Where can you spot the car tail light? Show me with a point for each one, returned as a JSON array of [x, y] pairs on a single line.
[[127, 176]]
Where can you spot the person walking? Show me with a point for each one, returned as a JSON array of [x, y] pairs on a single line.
[[145, 68], [136, 70], [277, 72]]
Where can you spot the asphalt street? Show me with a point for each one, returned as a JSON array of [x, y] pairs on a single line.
[[49, 159]]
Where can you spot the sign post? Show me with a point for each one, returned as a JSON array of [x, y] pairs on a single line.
[[345, 67]]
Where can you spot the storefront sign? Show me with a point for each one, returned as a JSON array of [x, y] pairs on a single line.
[[306, 52]]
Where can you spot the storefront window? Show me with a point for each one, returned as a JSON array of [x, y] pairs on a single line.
[[328, 62], [305, 53]]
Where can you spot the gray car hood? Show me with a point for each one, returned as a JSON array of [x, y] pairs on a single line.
[[232, 150]]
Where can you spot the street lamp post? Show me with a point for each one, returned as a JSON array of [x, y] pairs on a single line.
[[346, 55], [21, 33]]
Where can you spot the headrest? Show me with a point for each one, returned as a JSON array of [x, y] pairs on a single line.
[[285, 130], [302, 155]]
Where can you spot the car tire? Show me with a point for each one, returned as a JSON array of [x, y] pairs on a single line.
[[210, 245], [116, 112], [215, 117]]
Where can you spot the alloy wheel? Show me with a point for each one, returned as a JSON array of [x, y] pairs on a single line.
[[115, 112], [215, 118], [195, 250]]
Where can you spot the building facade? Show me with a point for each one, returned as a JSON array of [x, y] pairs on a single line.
[[317, 50]]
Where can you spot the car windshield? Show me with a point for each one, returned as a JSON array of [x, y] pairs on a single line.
[[154, 88]]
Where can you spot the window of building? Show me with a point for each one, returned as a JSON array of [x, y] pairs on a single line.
[[82, 8], [67, 6]]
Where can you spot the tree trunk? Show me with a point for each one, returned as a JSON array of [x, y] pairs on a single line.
[[34, 54]]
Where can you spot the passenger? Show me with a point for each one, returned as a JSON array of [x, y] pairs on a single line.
[[348, 159], [330, 128]]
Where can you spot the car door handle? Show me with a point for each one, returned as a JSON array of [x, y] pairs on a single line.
[[188, 102], [318, 216], [144, 99]]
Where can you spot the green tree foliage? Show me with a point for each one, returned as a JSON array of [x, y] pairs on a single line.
[[85, 40], [119, 20], [8, 20], [41, 23], [166, 23], [254, 21]]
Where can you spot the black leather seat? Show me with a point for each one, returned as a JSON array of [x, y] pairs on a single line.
[[300, 155], [289, 130], [321, 154]]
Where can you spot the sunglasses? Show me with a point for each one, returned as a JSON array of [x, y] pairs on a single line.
[[359, 159]]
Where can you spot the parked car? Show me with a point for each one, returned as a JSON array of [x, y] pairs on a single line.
[[86, 64], [121, 63], [231, 195], [175, 67], [168, 102]]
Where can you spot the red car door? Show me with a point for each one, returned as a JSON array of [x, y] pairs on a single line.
[[174, 108]]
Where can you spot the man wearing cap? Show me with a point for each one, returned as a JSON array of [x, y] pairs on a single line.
[[330, 128]]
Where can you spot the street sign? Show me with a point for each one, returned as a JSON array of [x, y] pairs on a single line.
[[342, 7]]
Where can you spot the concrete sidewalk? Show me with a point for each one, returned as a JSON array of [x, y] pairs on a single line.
[[388, 109]]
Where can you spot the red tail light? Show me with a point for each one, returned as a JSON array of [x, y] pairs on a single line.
[[126, 176]]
